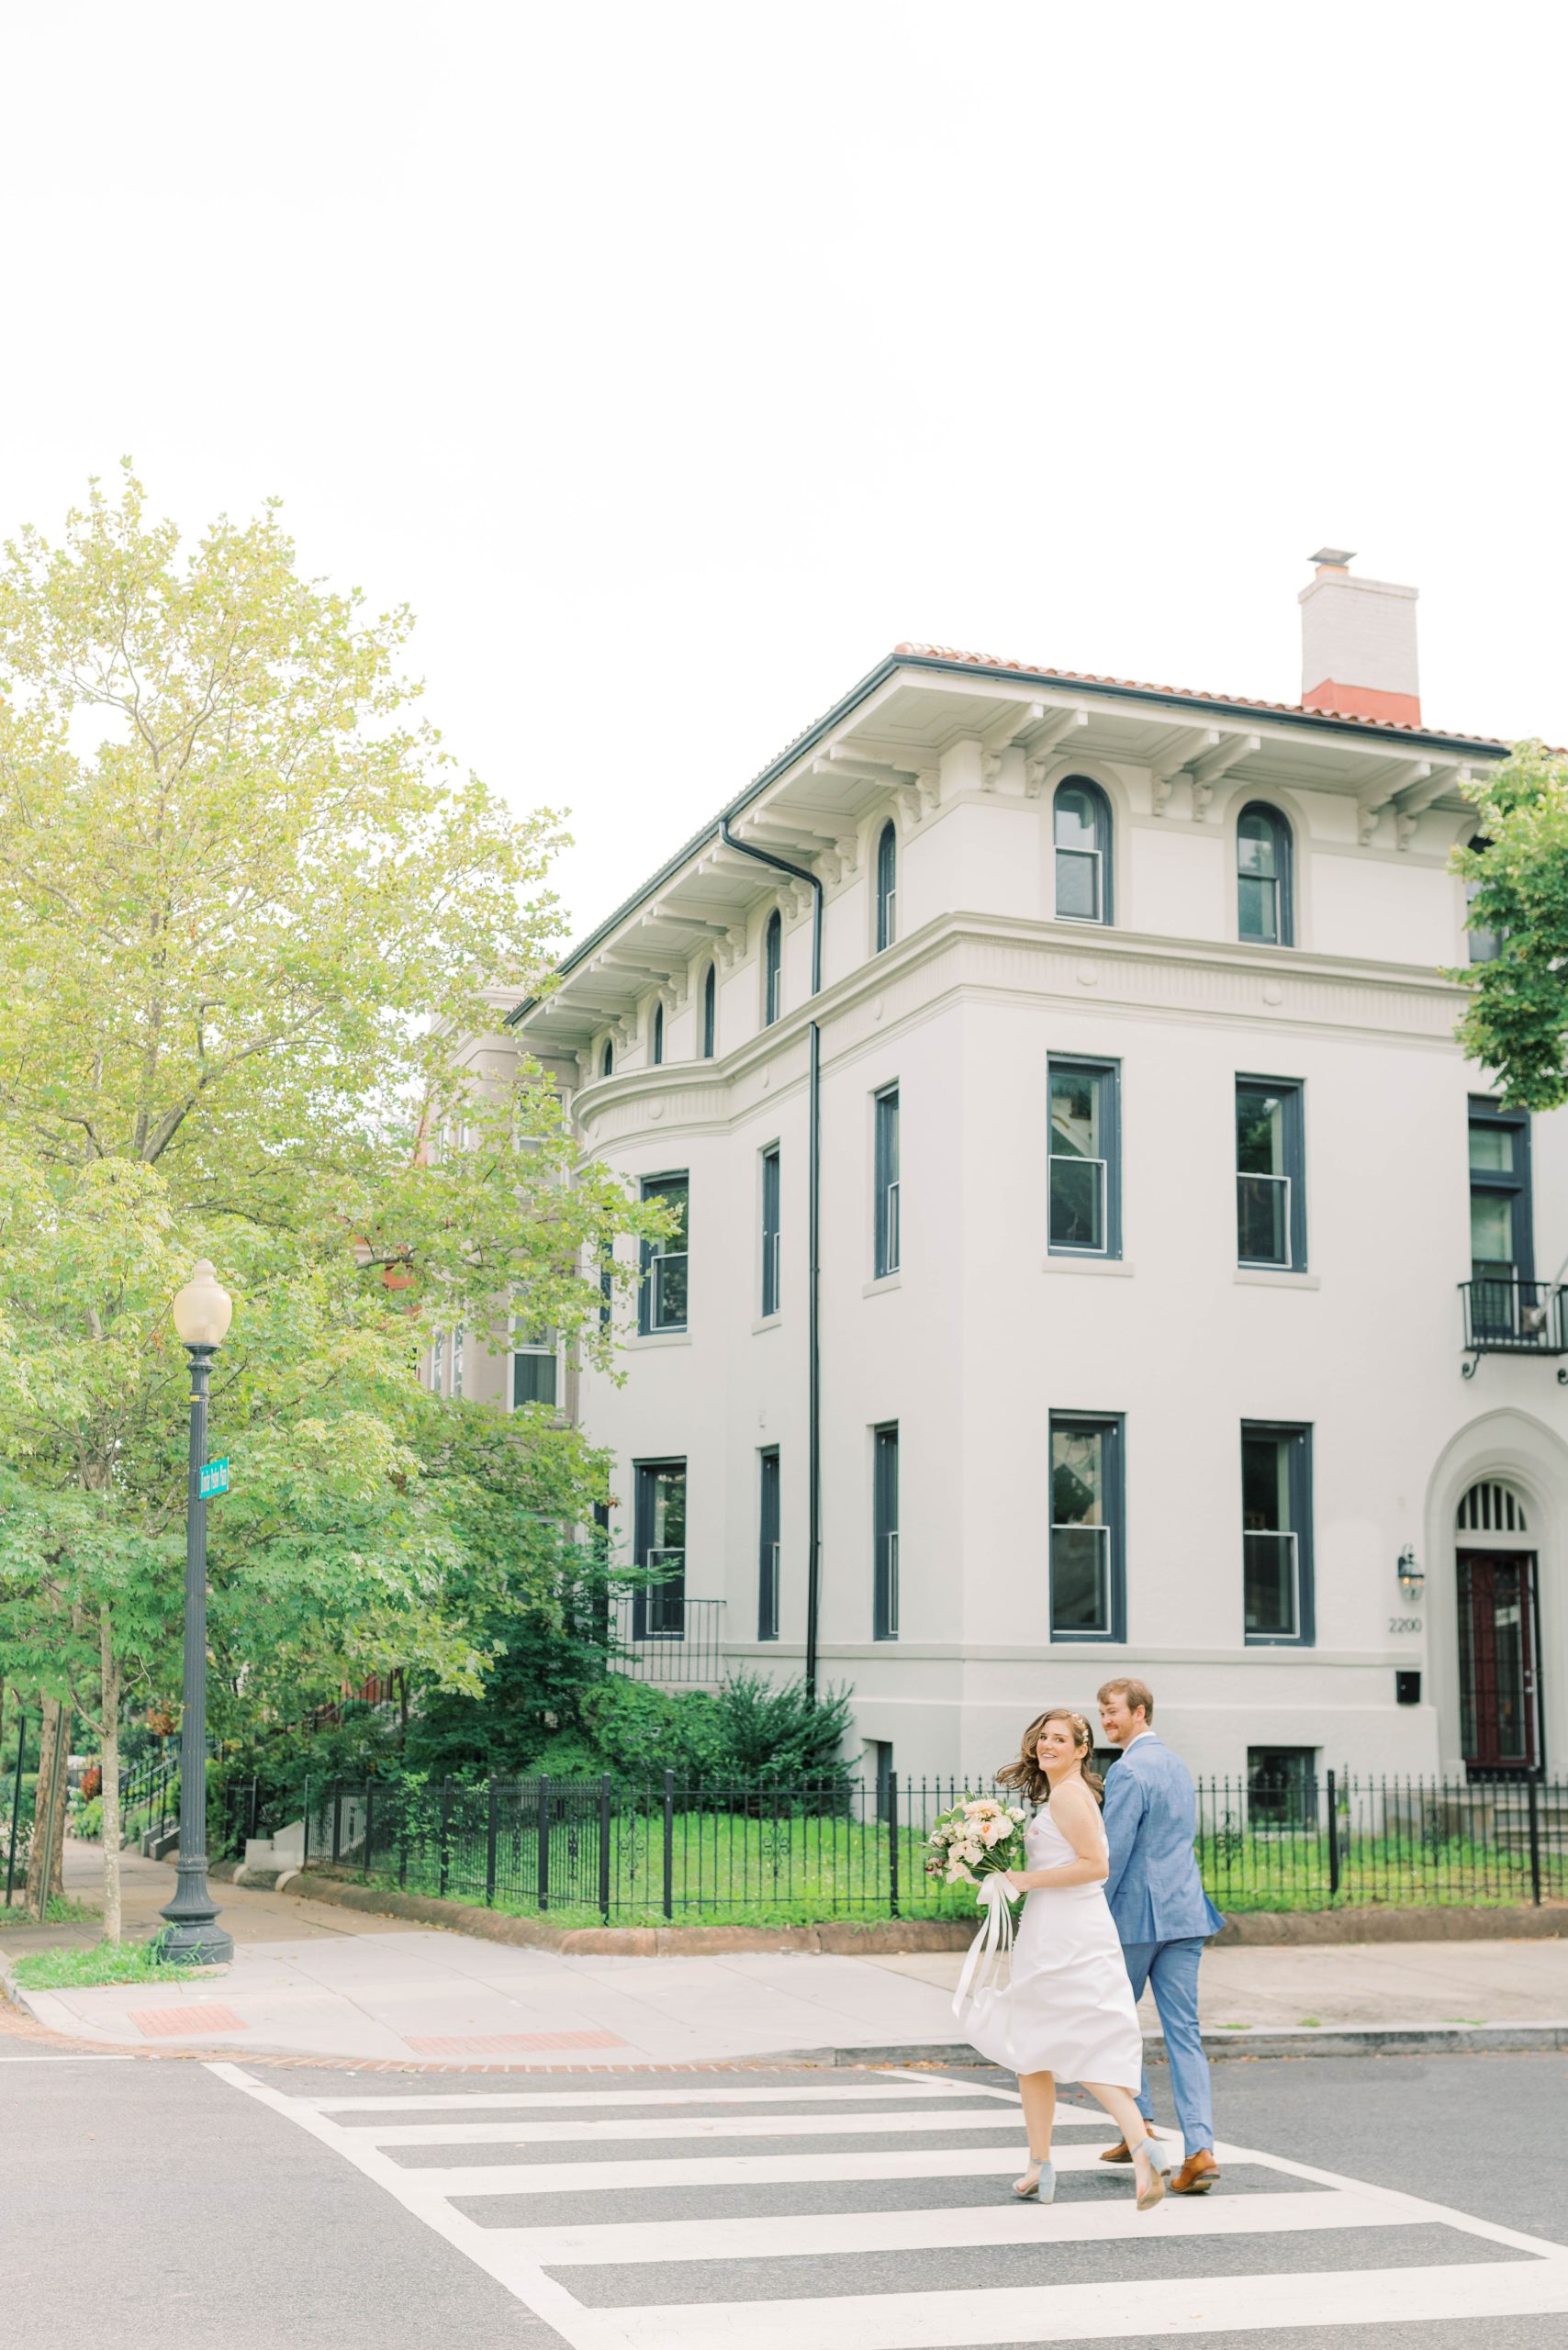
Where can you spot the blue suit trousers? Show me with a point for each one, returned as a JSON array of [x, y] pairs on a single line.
[[1172, 1968]]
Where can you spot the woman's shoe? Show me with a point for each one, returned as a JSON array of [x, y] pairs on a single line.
[[1158, 2164], [1039, 2180]]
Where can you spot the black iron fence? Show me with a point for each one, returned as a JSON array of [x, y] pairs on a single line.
[[665, 1851]]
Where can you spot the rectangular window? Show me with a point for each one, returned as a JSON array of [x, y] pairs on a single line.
[[1281, 1788], [886, 1237], [534, 1371], [1088, 1516], [768, 1547], [1085, 1212], [457, 1360], [658, 1605], [1276, 1534], [770, 1171], [885, 1533], [662, 1303], [1270, 1178]]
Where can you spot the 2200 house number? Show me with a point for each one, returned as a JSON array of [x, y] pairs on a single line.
[[1405, 1622]]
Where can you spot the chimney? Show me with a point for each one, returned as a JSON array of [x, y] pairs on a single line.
[[1357, 643]]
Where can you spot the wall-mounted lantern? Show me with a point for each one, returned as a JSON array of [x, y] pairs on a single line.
[[1412, 1574]]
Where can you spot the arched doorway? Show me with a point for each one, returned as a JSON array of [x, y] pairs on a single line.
[[1499, 1631]]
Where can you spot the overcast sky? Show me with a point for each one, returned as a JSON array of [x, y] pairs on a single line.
[[676, 363]]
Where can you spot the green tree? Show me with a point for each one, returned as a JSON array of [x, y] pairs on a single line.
[[250, 912], [1516, 1021]]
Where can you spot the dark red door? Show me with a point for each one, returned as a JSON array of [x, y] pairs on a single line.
[[1497, 1660]]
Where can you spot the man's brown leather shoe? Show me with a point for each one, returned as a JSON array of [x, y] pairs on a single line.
[[1197, 2173], [1120, 2152]]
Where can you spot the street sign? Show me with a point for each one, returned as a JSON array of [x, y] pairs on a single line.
[[212, 1477]]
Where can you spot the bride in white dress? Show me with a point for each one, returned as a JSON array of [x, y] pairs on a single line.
[[1067, 2012]]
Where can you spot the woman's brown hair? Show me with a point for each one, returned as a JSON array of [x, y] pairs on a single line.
[[1026, 1775]]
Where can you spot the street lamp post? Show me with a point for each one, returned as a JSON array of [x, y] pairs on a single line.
[[195, 1938]]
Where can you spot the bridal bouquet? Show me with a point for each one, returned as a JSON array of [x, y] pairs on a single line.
[[975, 1838]]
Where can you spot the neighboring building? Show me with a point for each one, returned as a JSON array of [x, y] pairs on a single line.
[[1157, 1206]]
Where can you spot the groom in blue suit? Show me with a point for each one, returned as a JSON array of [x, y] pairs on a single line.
[[1161, 1911]]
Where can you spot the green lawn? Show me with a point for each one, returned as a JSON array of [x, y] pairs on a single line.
[[81, 1970]]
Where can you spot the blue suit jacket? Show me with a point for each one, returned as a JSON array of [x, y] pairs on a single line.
[[1154, 1889]]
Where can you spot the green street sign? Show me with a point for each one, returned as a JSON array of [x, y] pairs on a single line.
[[212, 1477]]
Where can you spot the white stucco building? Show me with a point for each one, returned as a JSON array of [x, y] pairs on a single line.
[[1149, 1176]]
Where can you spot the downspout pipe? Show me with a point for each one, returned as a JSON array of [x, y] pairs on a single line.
[[814, 1230]]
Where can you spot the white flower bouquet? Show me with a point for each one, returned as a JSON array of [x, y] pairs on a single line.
[[975, 1838]]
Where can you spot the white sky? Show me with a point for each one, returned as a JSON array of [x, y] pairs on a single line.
[[675, 362]]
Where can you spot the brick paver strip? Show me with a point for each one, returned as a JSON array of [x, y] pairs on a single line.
[[161, 2022], [505, 2044]]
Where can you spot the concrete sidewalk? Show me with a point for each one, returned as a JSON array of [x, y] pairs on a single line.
[[320, 1980]]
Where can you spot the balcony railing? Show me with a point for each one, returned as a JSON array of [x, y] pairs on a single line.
[[669, 1639], [1510, 1317]]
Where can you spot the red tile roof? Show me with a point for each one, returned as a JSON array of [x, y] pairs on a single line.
[[946, 653]]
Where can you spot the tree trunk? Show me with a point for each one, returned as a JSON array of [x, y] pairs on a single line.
[[108, 1759], [47, 1859]]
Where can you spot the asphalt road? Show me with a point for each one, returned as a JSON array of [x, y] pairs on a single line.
[[255, 2207]]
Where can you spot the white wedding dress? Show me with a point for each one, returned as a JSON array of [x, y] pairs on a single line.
[[1068, 2007]]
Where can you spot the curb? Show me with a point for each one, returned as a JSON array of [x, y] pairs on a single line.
[[835, 1938], [1253, 2041], [843, 1938]]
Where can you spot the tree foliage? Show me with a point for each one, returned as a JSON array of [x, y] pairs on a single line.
[[249, 913], [1516, 1021]]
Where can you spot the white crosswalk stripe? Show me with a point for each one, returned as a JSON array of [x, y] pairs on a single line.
[[612, 2282]]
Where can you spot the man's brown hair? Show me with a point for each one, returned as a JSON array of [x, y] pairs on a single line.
[[1137, 1693]]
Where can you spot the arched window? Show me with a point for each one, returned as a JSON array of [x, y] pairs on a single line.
[[656, 1036], [1080, 823], [1485, 945], [709, 1010], [1263, 908], [773, 969], [607, 1059], [887, 886]]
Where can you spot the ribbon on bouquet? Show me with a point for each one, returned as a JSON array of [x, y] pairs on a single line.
[[991, 1947]]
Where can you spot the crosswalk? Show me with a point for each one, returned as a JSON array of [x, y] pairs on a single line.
[[697, 2215]]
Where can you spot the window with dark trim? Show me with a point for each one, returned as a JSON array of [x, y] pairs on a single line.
[[885, 1532], [1270, 1173], [773, 969], [770, 1203], [1264, 882], [1087, 1545], [658, 1605], [1485, 945], [1276, 1535], [662, 1300], [1281, 1788], [709, 1010], [535, 1367], [1081, 831], [656, 1036], [886, 1235], [1085, 1172], [1502, 1221], [887, 886], [767, 1545], [607, 1059]]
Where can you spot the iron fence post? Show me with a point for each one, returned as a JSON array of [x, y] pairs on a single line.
[[893, 1844], [369, 1824], [337, 1821], [669, 1843], [541, 1869], [490, 1847], [604, 1847], [305, 1850], [1333, 1835], [445, 1830], [1534, 1800]]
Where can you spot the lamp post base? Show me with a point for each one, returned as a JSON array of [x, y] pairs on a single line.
[[195, 1938]]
